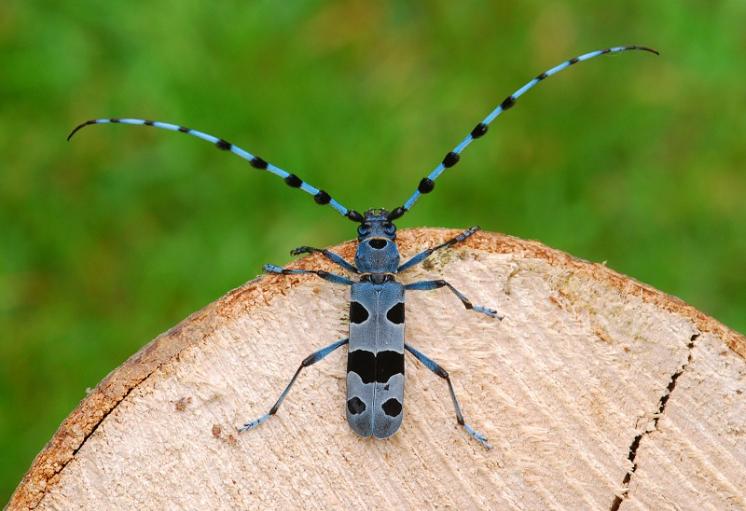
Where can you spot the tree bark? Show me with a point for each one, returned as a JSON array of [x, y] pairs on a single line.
[[596, 391]]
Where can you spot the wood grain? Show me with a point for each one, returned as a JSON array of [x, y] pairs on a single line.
[[598, 392]]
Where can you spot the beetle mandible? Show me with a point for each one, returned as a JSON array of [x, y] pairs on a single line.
[[375, 362]]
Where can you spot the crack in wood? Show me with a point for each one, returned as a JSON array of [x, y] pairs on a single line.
[[60, 466], [635, 445], [100, 421], [103, 418]]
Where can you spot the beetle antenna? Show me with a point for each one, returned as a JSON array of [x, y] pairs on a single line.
[[428, 183], [320, 196]]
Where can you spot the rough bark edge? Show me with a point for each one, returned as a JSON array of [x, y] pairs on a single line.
[[83, 421]]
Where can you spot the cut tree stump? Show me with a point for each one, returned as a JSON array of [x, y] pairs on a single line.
[[597, 392]]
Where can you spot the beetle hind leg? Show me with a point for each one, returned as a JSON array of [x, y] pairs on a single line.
[[309, 360], [437, 369]]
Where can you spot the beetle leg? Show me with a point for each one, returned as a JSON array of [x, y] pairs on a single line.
[[417, 259], [331, 277], [437, 369], [309, 360], [428, 285]]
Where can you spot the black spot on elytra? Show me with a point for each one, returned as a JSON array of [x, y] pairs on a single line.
[[355, 405], [362, 363], [396, 314], [358, 313], [392, 407], [388, 363]]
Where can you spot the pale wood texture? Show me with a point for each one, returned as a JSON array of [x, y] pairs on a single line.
[[597, 392]]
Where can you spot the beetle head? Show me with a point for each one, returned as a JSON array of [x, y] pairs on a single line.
[[377, 251]]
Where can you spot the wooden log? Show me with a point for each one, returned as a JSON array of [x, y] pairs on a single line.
[[597, 392]]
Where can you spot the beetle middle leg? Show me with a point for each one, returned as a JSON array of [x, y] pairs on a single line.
[[437, 369], [309, 360], [331, 277], [428, 285]]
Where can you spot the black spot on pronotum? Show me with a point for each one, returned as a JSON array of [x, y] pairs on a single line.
[[392, 407], [358, 313], [479, 130], [426, 185], [507, 103], [377, 243], [450, 160], [223, 145], [322, 197], [258, 163], [293, 181], [362, 363], [388, 363], [355, 405], [396, 314]]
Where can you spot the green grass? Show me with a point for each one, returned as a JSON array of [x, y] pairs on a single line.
[[632, 159]]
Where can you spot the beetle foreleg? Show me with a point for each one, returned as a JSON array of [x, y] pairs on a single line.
[[309, 360], [335, 258], [437, 369], [417, 259]]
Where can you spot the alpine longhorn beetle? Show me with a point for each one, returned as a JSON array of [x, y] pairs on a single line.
[[375, 361]]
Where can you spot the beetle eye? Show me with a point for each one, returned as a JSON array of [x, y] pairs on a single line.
[[389, 228], [363, 230]]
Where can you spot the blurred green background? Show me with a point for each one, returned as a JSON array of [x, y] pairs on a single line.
[[632, 159]]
